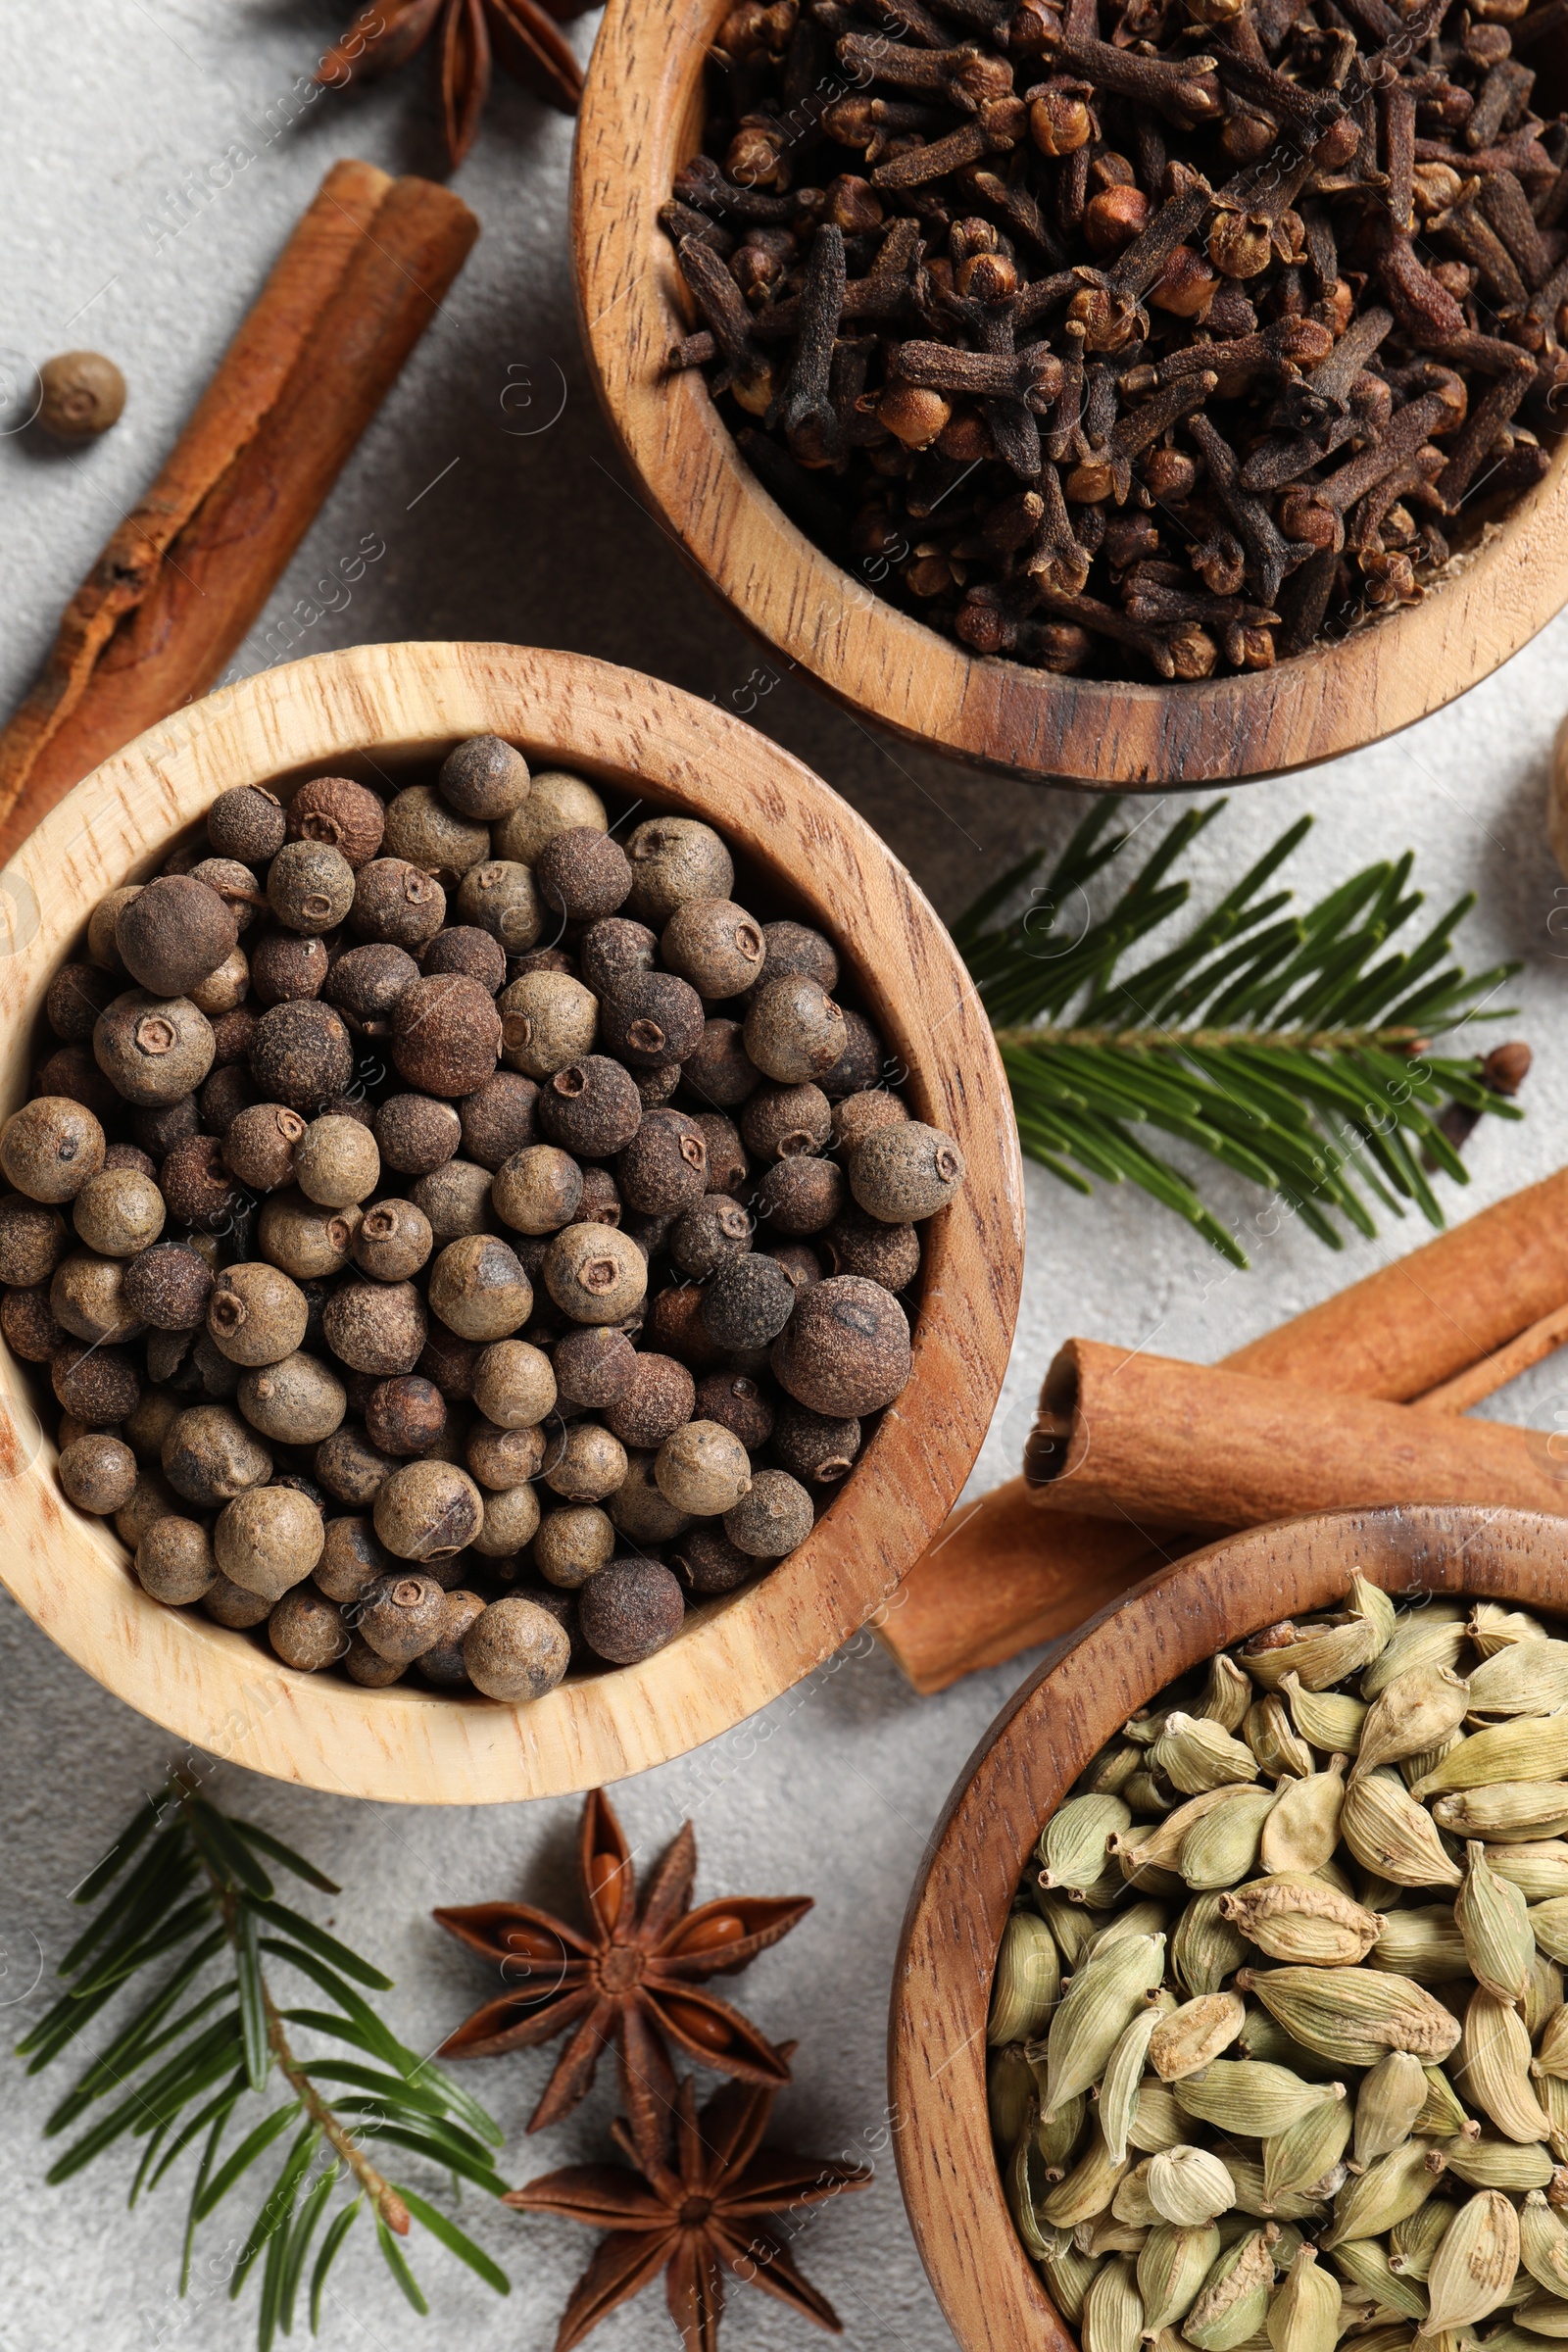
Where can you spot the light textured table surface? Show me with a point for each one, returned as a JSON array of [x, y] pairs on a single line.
[[153, 157]]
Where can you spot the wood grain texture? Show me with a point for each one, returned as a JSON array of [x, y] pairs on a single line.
[[1086, 1688], [371, 711], [640, 119]]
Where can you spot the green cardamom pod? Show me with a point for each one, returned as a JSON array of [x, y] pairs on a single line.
[[1120, 2083], [1528, 1678], [1303, 1826], [1303, 2314], [1009, 2089], [1019, 2181], [1553, 2092], [1057, 2137], [1551, 2055], [1493, 1627], [1158, 1845], [1549, 1926], [1135, 1918], [1475, 2264], [1394, 2337], [1424, 1944], [1413, 2241], [1205, 1949], [1195, 1755], [1281, 1751], [1105, 2234], [1110, 1887], [1387, 1831], [1492, 2067], [1070, 1924], [1088, 2188], [1114, 2308], [1188, 2186], [1537, 1867], [1256, 2100], [1352, 2015], [1224, 1847], [1505, 2164], [1387, 2105], [1507, 1811], [1411, 1713], [1306, 2151], [1145, 1794], [1171, 2268], [1157, 2122], [1297, 1918], [1250, 2190], [1196, 2034], [1100, 2002], [1366, 2263], [1330, 1719], [1412, 1768], [1543, 1994], [1068, 2275], [1131, 2202], [1497, 1924], [1395, 2185], [1530, 1747], [1543, 2238], [1432, 1636], [1545, 2315], [1028, 1981], [1112, 1769], [1232, 2301], [1227, 1694], [1442, 2116], [1328, 1650], [1075, 1847]]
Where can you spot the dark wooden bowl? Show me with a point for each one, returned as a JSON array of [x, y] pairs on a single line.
[[1088, 1686], [641, 119]]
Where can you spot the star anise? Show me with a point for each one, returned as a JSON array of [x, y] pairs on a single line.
[[634, 1979], [693, 2211], [469, 35]]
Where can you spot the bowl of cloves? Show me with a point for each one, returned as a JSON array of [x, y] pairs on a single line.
[[1230, 2003], [512, 1226], [1099, 391]]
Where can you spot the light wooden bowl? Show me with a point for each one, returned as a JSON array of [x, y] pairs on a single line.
[[640, 119], [372, 712], [1088, 1686]]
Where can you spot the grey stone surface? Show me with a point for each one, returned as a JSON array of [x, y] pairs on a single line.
[[150, 170]]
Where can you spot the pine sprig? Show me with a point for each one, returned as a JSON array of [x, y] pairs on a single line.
[[1292, 1049], [186, 1879]]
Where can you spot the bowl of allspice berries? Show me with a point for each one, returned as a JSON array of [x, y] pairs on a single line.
[[486, 1225], [1151, 394], [1268, 1868]]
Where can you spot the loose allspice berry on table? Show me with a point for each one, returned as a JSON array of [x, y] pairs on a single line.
[[433, 1221]]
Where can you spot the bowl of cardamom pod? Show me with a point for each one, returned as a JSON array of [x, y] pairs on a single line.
[[1229, 2012]]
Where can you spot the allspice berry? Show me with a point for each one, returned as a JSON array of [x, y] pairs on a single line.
[[229, 1604], [547, 1020], [663, 1169], [305, 1241], [658, 1399], [721, 1073], [613, 951], [709, 1561], [630, 1609], [259, 1145], [653, 1019], [457, 1200], [406, 1415], [592, 1367], [442, 1664], [337, 1164], [446, 1034], [514, 1385], [154, 1499], [402, 1616], [396, 901], [286, 968], [478, 1289], [514, 1650], [857, 1244], [83, 395], [795, 947], [376, 1327], [464, 948], [859, 1116], [800, 1196], [449, 1361], [349, 1467], [153, 1049], [267, 1539], [176, 1564], [715, 944], [428, 832], [167, 1286], [33, 1239], [674, 859], [223, 987], [145, 1430], [704, 1234], [595, 1274], [28, 1323], [582, 873], [864, 1061], [784, 1122], [510, 1520], [573, 1544], [484, 779], [366, 982], [119, 1211], [97, 1384], [76, 997], [173, 933], [748, 1300], [502, 899], [703, 1469], [196, 1186], [72, 1071], [248, 824], [499, 1118], [507, 1458], [904, 1173], [393, 1240], [351, 1561], [794, 1030], [591, 1107], [427, 1510], [674, 1325], [297, 1401], [88, 1297], [639, 1510], [339, 814], [310, 887], [735, 1401], [307, 1630], [590, 1465], [301, 1054], [256, 1314], [98, 1473], [728, 1167], [816, 1449], [772, 1519], [846, 1349], [416, 1135], [364, 1666]]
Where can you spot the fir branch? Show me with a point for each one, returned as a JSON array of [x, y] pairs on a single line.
[[185, 1873], [1292, 1049]]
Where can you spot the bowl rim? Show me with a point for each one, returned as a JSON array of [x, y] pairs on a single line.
[[635, 123], [220, 1691], [1084, 1686]]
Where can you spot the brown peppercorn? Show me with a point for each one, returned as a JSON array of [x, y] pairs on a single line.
[[118, 1212], [28, 1323], [715, 944], [658, 1400], [796, 948], [728, 1166], [446, 1034], [73, 1073], [859, 1116], [735, 1401], [402, 1616], [351, 1561], [98, 1473], [375, 1326], [307, 1630], [630, 1609], [674, 1326], [591, 1107], [814, 1448], [167, 1286], [222, 1095], [33, 1239], [499, 1118], [467, 950], [337, 1164], [747, 1301], [247, 823], [441, 1665], [794, 1030], [196, 1186], [511, 1522], [176, 1564], [501, 899], [88, 1297], [269, 1538], [301, 1054], [863, 1062], [555, 802], [256, 1315], [846, 1351], [77, 995], [83, 394], [210, 1456], [721, 1073], [478, 1289], [50, 1148], [506, 1457], [393, 1240], [772, 1519], [674, 859], [593, 1367], [513, 1384], [703, 1469], [307, 1242], [857, 1244], [663, 1169], [344, 816], [406, 1415], [428, 1510], [709, 1561], [573, 1544], [800, 1196], [548, 1020], [484, 778], [173, 933], [590, 1464], [258, 1144], [782, 1122], [595, 1274], [653, 1019], [710, 1231], [396, 901], [416, 1135], [348, 1466], [297, 1401], [514, 1650], [616, 950], [582, 873], [422, 827], [906, 1172], [457, 1200]]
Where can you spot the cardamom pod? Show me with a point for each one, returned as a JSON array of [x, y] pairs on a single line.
[[1105, 2234], [1492, 2067], [1195, 1755], [1544, 2315], [1411, 1713], [1108, 1889], [1227, 1694], [1196, 2034], [1548, 1925], [1430, 1636], [1274, 1741], [1302, 1829], [1306, 2151], [1171, 2268], [1552, 2056], [1412, 1768], [1475, 2264], [1018, 2181], [1529, 1678], [1101, 2001], [1553, 2092], [1131, 2201], [1114, 2308], [1009, 2089], [1492, 2163], [1395, 2186], [1137, 1919], [1352, 2015], [1254, 2099], [1188, 2186], [1543, 2240], [1530, 1747], [1145, 1794], [1224, 1847], [1494, 1628], [1028, 1980], [1232, 2301], [1304, 2315], [1157, 2122], [1364, 2261], [1330, 1719], [1328, 1651], [1423, 1944], [1112, 1769], [1387, 2105], [1542, 1994], [1392, 2339], [1088, 2188], [1057, 2137], [1205, 1949], [1075, 1847], [1297, 1918], [1497, 1924], [1157, 1845], [1068, 2275], [1387, 1831], [1507, 1811], [1413, 2241], [1071, 1925], [1442, 2116], [1123, 2075], [1250, 2191]]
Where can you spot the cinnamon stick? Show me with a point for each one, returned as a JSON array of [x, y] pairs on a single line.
[[184, 575], [1002, 1576]]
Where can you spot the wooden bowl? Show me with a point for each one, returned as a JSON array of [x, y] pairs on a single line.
[[1088, 1686], [640, 119], [372, 712]]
